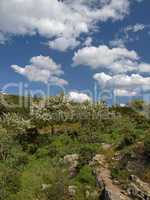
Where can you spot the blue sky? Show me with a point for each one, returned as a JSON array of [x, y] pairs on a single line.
[[77, 46]]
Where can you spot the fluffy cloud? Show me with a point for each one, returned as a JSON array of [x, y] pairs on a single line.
[[88, 41], [62, 44], [78, 97], [55, 19], [117, 60], [42, 69], [125, 93], [2, 38], [124, 85], [144, 68], [122, 81]]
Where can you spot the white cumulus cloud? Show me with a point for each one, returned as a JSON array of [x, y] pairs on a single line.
[[124, 85], [88, 41], [78, 97], [115, 60], [55, 19], [43, 69], [62, 44]]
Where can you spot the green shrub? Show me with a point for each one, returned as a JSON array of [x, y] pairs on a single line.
[[9, 182], [127, 140], [17, 158], [86, 154], [56, 191], [115, 173], [53, 151], [85, 176], [42, 152], [120, 174], [6, 143], [32, 148], [22, 159], [147, 146]]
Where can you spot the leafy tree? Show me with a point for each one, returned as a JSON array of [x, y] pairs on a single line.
[[49, 112], [15, 124]]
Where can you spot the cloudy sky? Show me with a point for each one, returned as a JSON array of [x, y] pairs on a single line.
[[84, 46]]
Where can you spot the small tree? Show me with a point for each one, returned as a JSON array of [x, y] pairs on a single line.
[[49, 112], [14, 123]]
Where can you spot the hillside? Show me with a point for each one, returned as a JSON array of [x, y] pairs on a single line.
[[57, 149]]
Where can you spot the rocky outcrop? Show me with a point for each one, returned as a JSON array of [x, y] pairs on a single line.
[[72, 162], [104, 181], [138, 189], [72, 190]]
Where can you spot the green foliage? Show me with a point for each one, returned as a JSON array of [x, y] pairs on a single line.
[[85, 176], [14, 123], [33, 145], [86, 154], [56, 191], [127, 140], [120, 174], [147, 146], [9, 182], [6, 143]]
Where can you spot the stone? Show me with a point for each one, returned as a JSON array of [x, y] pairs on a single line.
[[72, 162], [45, 186], [72, 190], [138, 189], [106, 146]]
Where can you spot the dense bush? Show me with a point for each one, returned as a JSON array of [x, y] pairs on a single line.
[[32, 158], [9, 182], [147, 146], [56, 191], [6, 143], [127, 140], [85, 176], [86, 154]]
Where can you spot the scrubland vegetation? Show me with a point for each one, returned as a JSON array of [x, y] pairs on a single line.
[[36, 137]]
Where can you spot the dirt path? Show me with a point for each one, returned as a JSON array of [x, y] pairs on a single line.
[[103, 175]]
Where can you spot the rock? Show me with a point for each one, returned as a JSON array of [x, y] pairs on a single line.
[[72, 161], [45, 186], [117, 157], [116, 182], [95, 195], [106, 146], [72, 190], [98, 160], [87, 194], [109, 193], [138, 189]]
